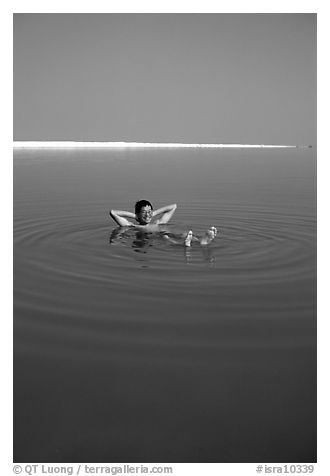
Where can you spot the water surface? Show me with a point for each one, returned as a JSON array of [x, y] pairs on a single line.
[[130, 349]]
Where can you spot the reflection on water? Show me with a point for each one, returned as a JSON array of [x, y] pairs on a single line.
[[129, 348], [141, 241]]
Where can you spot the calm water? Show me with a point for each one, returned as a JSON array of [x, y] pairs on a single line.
[[128, 348]]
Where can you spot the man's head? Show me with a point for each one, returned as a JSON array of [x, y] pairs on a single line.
[[143, 212]]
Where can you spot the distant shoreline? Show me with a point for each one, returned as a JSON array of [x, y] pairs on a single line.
[[134, 145]]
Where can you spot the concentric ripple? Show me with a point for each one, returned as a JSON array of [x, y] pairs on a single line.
[[126, 335], [261, 246]]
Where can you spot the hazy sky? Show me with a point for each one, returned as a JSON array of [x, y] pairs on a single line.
[[237, 78]]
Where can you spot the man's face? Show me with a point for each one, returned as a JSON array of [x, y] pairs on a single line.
[[145, 215]]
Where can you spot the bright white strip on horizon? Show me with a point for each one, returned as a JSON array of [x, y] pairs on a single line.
[[72, 144]]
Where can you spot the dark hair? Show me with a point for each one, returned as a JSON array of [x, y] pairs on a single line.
[[140, 204]]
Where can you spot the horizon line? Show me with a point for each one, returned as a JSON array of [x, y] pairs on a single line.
[[122, 144]]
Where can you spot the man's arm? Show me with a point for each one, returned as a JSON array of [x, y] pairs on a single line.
[[120, 217], [167, 211]]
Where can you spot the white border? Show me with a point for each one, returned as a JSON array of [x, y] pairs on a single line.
[[323, 213]]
